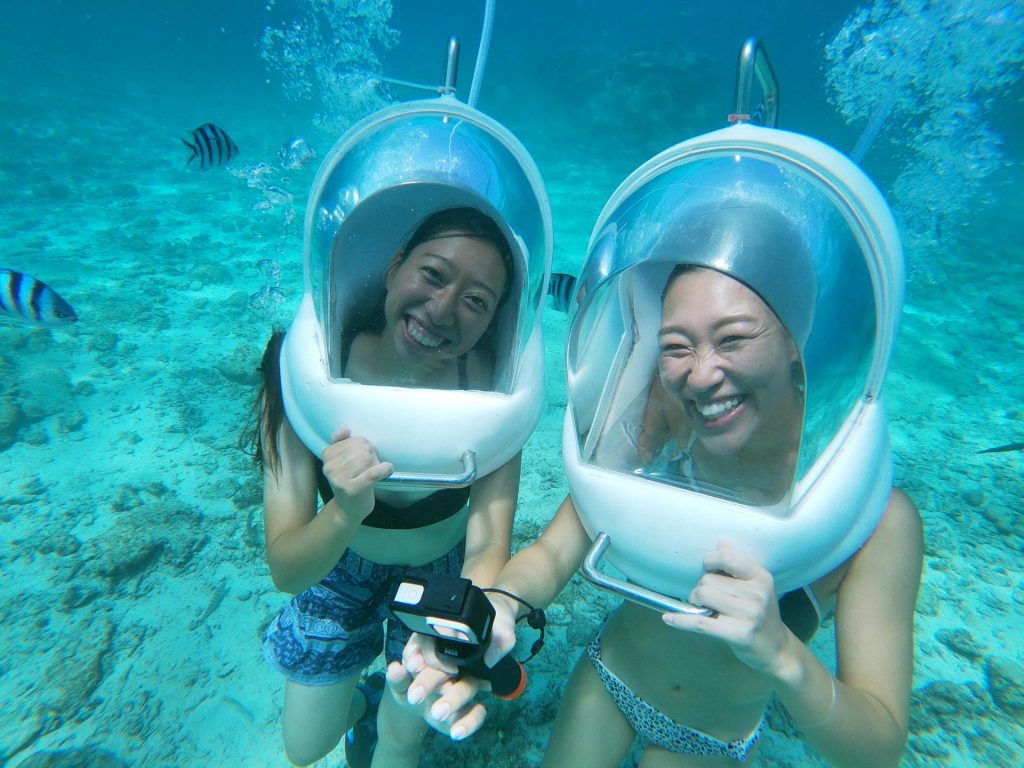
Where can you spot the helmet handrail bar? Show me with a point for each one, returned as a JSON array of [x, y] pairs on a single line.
[[753, 62], [451, 72], [633, 592], [398, 480]]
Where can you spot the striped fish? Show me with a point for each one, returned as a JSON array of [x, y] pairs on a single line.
[[25, 298], [212, 146], [560, 290]]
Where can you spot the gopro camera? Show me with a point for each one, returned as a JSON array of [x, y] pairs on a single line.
[[449, 608], [460, 616]]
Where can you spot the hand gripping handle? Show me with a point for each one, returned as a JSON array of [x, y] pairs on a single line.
[[632, 592]]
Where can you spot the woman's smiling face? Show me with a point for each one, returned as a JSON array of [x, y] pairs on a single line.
[[442, 297], [725, 357]]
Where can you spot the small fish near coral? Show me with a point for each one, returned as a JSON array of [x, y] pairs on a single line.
[[28, 300], [295, 153], [212, 146]]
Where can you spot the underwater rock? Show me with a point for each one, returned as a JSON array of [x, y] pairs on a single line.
[[974, 497], [1004, 520], [42, 393], [962, 643], [1005, 680], [77, 671], [149, 529], [240, 367], [103, 341], [71, 420], [11, 420], [83, 757], [947, 705]]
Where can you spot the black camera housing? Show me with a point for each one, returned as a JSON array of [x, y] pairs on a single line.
[[449, 608]]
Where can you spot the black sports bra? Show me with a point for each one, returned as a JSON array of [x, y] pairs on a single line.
[[427, 511]]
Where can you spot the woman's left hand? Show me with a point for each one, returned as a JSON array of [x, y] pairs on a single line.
[[446, 701], [742, 593]]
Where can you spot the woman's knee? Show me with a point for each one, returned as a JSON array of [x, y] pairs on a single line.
[[315, 719]]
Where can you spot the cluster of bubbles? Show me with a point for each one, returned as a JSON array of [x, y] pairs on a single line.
[[295, 154], [268, 299], [332, 52], [258, 176], [924, 74]]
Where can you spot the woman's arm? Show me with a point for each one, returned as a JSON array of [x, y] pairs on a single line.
[[867, 726], [303, 546], [539, 572], [492, 509], [859, 719]]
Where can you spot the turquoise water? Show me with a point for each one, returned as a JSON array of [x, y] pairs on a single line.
[[134, 588]]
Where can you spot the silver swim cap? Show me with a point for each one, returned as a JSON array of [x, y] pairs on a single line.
[[755, 244]]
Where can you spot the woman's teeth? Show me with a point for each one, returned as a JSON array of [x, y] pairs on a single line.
[[420, 335], [711, 411]]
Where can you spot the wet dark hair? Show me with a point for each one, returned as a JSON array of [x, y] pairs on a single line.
[[267, 412], [678, 271]]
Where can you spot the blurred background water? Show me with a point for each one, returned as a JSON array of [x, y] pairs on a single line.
[[134, 589]]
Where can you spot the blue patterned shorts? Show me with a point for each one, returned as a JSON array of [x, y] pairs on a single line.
[[335, 628]]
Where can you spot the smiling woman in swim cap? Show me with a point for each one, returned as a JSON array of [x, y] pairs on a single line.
[[729, 388], [695, 688]]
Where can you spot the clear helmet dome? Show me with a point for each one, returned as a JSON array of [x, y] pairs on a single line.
[[707, 251], [382, 179]]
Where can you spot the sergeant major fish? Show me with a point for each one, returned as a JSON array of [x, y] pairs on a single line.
[[212, 146], [24, 298], [560, 290]]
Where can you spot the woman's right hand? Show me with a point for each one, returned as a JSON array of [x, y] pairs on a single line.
[[444, 698], [352, 467]]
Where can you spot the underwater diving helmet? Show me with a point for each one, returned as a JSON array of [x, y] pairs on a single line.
[[802, 227], [382, 179]]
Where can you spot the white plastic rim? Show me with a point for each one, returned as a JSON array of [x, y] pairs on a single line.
[[418, 430]]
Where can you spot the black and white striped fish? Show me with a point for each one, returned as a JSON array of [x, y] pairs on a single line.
[[22, 297], [560, 290], [212, 146]]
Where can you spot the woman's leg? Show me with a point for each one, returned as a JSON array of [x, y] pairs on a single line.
[[316, 717], [590, 730], [400, 734]]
